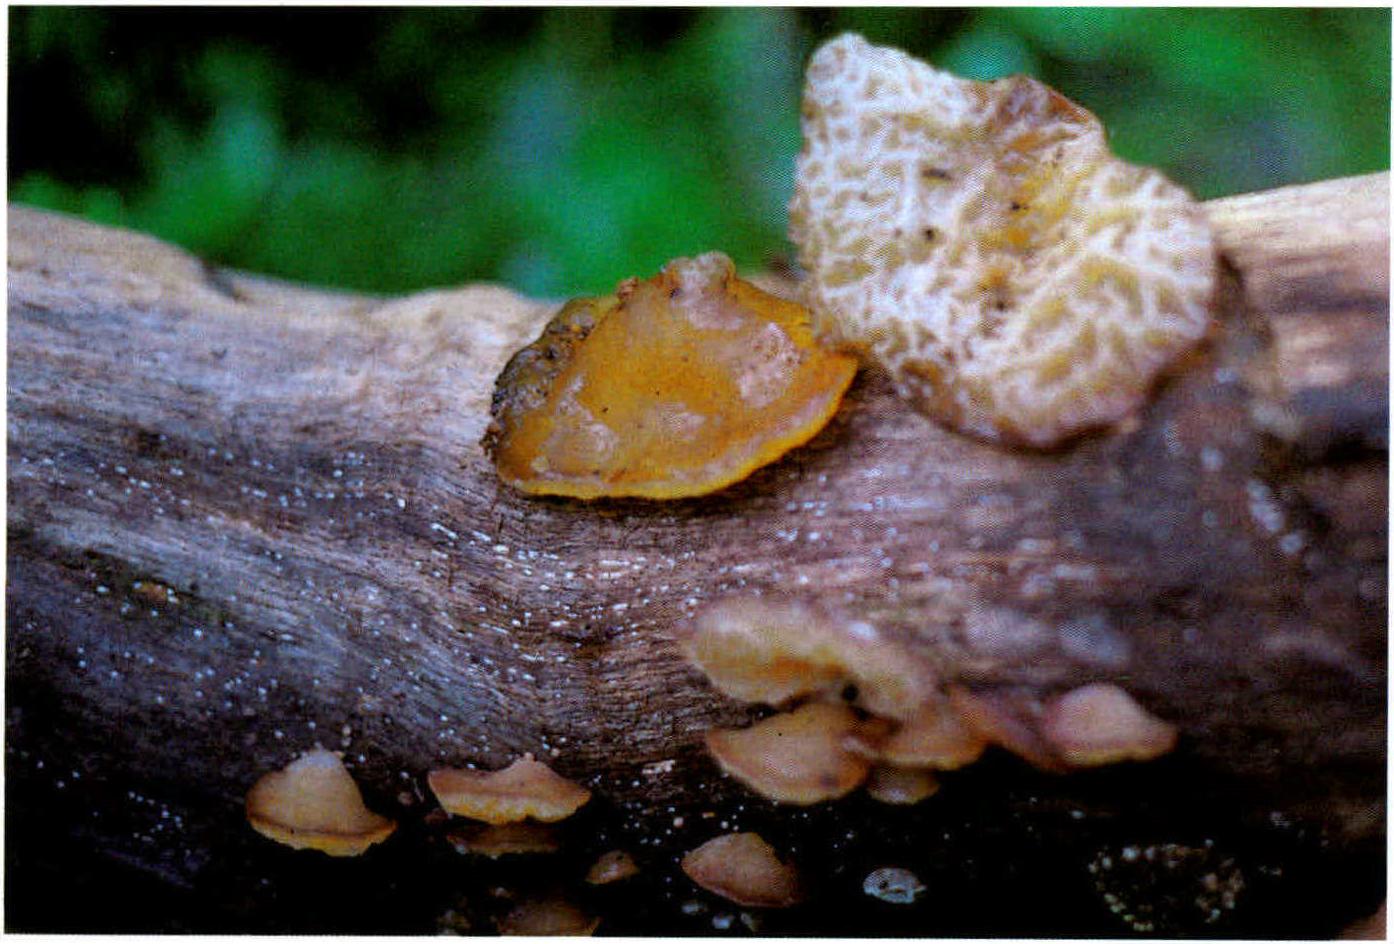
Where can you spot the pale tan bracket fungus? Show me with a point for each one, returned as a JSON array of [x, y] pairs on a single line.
[[743, 867], [614, 866], [800, 757], [901, 786], [547, 917], [504, 839], [524, 789], [1100, 724], [772, 651], [672, 387], [313, 803], [980, 242]]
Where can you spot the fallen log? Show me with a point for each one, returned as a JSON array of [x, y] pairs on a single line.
[[246, 517]]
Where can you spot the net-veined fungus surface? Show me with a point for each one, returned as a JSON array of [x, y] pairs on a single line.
[[980, 242], [672, 387]]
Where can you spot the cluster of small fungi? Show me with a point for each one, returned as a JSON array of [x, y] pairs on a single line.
[[902, 727]]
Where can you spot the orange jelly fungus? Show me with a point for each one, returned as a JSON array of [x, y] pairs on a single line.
[[800, 757], [672, 387], [524, 789], [1102, 724], [743, 868], [313, 803]]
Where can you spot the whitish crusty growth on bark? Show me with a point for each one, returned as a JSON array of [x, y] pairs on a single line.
[[979, 241]]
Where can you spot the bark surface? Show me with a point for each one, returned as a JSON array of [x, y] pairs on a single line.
[[246, 517]]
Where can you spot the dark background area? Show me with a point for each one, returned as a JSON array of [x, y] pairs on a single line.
[[559, 150]]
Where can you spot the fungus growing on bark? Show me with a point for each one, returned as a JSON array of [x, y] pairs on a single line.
[[503, 839], [901, 786], [548, 917], [799, 757], [934, 737], [980, 242], [313, 803], [675, 386], [1010, 719], [614, 866], [773, 650], [1102, 724], [743, 868], [524, 789]]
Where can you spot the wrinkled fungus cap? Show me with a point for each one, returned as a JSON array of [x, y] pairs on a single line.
[[524, 789], [743, 868], [672, 387], [313, 803], [800, 757], [980, 242]]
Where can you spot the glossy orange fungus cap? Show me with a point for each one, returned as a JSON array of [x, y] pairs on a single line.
[[672, 387], [313, 803]]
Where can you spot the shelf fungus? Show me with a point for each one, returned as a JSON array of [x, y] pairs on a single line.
[[504, 839], [313, 803], [980, 242], [800, 757], [1102, 724], [743, 867], [525, 789], [675, 386], [901, 786]]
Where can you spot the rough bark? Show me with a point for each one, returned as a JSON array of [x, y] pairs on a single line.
[[246, 517]]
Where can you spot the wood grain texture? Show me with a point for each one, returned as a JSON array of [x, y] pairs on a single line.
[[246, 517]]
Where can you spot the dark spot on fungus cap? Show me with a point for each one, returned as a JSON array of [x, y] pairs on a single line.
[[743, 868], [313, 803], [672, 387], [524, 789]]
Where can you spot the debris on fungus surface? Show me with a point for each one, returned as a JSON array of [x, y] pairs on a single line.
[[503, 839], [800, 757], [774, 650], [1102, 724], [671, 387], [743, 867], [313, 803], [980, 242], [900, 786], [548, 917], [524, 789]]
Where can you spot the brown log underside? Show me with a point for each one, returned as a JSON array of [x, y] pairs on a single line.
[[246, 517]]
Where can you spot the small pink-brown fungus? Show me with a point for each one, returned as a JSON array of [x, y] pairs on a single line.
[[672, 387], [980, 242], [934, 737], [548, 917], [524, 789], [313, 803], [743, 868], [1009, 719], [901, 786], [800, 757], [1102, 724], [503, 839], [614, 866], [773, 650]]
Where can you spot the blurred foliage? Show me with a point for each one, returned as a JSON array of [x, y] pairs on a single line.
[[560, 150]]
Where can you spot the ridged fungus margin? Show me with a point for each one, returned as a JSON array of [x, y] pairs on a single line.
[[672, 387], [525, 789], [980, 242]]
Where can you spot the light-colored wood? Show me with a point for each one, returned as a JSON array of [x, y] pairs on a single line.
[[246, 517]]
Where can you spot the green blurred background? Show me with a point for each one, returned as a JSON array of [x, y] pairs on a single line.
[[559, 150]]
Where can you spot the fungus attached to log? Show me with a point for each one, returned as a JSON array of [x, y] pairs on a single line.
[[1102, 724], [773, 650], [981, 242], [548, 917], [1010, 719], [313, 803], [743, 868], [799, 757], [901, 786], [675, 386], [503, 839], [524, 789], [614, 866], [934, 737]]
